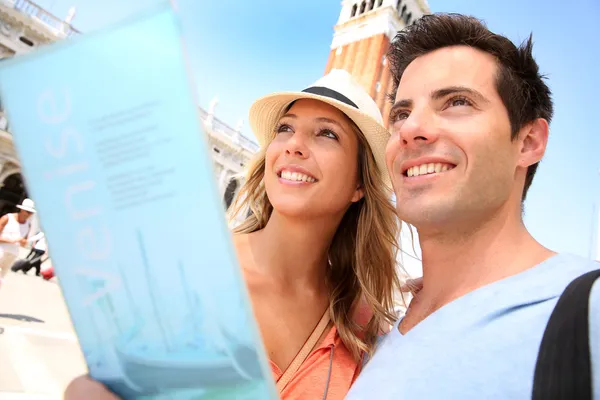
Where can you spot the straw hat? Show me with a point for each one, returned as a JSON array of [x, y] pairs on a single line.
[[342, 92]]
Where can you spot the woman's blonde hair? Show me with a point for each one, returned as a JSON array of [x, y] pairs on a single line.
[[362, 255]]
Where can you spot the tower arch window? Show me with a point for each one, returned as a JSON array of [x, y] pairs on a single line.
[[353, 13], [230, 192], [371, 4], [408, 18], [379, 3], [403, 11], [398, 4], [363, 5]]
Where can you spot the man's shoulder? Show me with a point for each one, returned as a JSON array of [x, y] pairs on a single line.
[[581, 266], [561, 269], [575, 262], [576, 267]]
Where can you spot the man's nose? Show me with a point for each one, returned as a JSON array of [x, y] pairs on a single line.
[[418, 129]]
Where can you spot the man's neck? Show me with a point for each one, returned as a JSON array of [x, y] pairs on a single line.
[[293, 252], [459, 261]]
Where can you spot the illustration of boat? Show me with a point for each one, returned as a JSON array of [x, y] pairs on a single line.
[[196, 356]]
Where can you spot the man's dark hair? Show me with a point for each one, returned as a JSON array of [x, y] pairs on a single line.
[[519, 83]]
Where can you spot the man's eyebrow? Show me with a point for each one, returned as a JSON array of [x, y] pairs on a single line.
[[441, 93], [404, 103]]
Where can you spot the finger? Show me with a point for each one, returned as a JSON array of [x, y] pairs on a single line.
[[407, 285], [412, 285], [86, 388]]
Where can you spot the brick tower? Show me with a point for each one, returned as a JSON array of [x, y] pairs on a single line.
[[362, 37]]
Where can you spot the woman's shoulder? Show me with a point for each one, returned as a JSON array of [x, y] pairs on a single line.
[[363, 315]]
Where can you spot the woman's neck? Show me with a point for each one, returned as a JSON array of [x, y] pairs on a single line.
[[293, 251]]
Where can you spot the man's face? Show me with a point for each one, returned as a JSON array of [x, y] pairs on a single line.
[[24, 215], [450, 155]]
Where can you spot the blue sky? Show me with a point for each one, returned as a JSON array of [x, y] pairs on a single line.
[[240, 50]]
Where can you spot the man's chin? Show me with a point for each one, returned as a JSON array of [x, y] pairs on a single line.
[[425, 216]]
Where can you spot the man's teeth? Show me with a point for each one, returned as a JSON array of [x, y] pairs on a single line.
[[430, 168], [296, 176]]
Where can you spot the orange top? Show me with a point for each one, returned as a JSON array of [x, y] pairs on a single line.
[[320, 372], [310, 381]]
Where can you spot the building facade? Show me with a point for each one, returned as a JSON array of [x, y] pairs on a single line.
[[24, 26], [362, 38]]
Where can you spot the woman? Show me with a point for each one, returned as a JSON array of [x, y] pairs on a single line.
[[319, 244]]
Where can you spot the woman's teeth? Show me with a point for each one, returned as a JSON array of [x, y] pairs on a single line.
[[296, 176]]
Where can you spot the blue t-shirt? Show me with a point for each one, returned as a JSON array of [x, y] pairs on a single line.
[[483, 345]]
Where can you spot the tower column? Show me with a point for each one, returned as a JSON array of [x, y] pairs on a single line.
[[351, 59], [361, 39], [385, 86]]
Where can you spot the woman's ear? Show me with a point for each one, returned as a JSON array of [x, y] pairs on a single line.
[[358, 193]]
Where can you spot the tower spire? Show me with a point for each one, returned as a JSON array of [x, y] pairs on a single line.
[[362, 37]]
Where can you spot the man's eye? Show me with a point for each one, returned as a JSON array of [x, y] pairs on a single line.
[[400, 115], [459, 102]]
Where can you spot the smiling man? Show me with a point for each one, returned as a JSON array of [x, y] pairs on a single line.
[[469, 126]]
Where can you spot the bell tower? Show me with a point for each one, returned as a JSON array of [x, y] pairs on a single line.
[[362, 37]]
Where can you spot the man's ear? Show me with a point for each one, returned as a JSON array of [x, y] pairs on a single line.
[[533, 141]]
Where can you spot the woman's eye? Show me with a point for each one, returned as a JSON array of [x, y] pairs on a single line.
[[283, 128], [329, 134]]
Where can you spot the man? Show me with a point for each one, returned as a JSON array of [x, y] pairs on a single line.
[[14, 229], [34, 258], [469, 126]]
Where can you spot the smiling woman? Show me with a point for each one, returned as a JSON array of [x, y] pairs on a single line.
[[320, 241]]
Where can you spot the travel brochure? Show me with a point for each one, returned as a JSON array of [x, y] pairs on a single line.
[[107, 128]]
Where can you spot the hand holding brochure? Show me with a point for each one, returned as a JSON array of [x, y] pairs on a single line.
[[113, 153]]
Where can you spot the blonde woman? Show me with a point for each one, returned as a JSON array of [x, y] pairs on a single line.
[[318, 247]]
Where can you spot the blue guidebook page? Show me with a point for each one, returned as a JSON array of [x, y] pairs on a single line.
[[114, 155]]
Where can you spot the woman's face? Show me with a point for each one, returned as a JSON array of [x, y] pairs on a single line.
[[311, 166]]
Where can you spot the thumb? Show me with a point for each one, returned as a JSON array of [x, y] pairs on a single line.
[[85, 388], [412, 286]]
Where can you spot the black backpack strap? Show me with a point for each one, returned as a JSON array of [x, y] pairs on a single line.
[[563, 368]]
